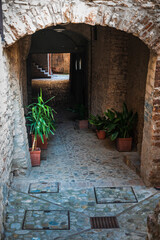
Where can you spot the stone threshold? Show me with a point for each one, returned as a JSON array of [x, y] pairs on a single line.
[[132, 160]]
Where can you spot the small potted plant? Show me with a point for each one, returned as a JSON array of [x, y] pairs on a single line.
[[41, 122], [100, 123], [121, 126], [81, 112]]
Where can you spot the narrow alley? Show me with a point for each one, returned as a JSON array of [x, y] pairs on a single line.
[[80, 177]]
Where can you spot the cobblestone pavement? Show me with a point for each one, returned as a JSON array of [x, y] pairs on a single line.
[[79, 177]]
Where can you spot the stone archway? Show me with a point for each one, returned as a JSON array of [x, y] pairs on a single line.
[[136, 17]]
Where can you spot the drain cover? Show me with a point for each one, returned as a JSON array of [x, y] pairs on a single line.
[[105, 195], [46, 220], [104, 222], [43, 187]]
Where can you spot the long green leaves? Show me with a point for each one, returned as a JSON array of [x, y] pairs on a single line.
[[98, 121], [41, 118]]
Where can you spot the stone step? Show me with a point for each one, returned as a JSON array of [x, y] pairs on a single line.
[[132, 160]]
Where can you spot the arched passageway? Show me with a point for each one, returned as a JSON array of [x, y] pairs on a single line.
[[79, 173], [113, 68], [40, 16], [109, 42]]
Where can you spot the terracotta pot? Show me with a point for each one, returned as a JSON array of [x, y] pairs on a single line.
[[101, 134], [83, 124], [35, 157], [39, 144], [124, 144]]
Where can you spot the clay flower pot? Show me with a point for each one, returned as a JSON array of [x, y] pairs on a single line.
[[124, 144], [35, 157], [101, 134], [39, 144]]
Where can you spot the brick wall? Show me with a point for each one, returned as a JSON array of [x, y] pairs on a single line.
[[109, 69], [119, 71], [150, 151], [138, 58]]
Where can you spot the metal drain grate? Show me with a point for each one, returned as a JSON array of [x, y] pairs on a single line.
[[104, 222]]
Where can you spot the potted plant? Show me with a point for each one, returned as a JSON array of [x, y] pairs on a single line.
[[41, 122], [100, 123], [121, 126], [81, 112]]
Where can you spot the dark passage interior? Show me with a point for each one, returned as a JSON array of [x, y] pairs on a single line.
[[57, 64]]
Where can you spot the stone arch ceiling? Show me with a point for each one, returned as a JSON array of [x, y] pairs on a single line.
[[139, 17], [48, 40]]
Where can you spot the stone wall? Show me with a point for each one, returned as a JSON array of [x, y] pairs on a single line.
[[60, 63], [153, 224], [18, 82], [58, 88], [140, 18], [14, 155], [6, 131], [23, 49]]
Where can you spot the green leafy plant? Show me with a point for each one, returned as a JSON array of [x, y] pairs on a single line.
[[121, 124], [40, 119], [98, 121]]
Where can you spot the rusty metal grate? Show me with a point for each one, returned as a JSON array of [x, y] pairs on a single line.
[[104, 222]]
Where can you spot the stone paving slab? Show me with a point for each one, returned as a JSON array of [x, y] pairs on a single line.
[[106, 195], [46, 220], [43, 187]]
